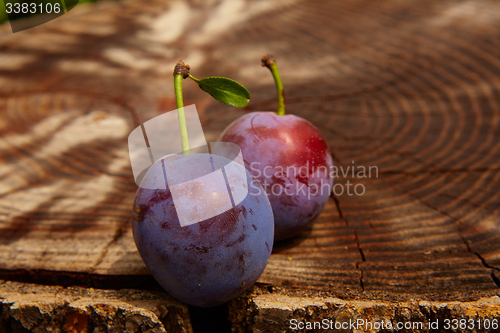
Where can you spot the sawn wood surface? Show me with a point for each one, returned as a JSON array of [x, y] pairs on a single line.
[[411, 88]]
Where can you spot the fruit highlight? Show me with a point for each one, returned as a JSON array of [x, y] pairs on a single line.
[[210, 262], [201, 223], [289, 157]]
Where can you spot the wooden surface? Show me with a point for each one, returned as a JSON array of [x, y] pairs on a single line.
[[411, 87], [51, 308]]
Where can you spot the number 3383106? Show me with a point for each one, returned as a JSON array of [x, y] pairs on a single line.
[[32, 8]]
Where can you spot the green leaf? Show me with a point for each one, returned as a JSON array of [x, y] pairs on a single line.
[[225, 90]]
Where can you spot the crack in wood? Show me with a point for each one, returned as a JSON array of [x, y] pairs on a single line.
[[80, 279], [358, 264], [483, 262], [467, 243], [338, 207], [118, 233], [358, 246]]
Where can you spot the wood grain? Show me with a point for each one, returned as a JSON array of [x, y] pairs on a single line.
[[35, 308], [278, 312], [411, 88]]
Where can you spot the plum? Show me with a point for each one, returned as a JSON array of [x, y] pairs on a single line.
[[291, 160], [208, 262]]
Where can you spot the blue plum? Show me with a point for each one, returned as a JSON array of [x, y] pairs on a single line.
[[291, 160], [210, 262]]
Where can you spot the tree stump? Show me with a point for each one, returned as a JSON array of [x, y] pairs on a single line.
[[409, 91]]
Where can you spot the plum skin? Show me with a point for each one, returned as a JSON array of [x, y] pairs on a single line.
[[209, 262], [270, 143]]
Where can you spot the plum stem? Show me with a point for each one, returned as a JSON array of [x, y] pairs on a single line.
[[269, 62], [181, 71]]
